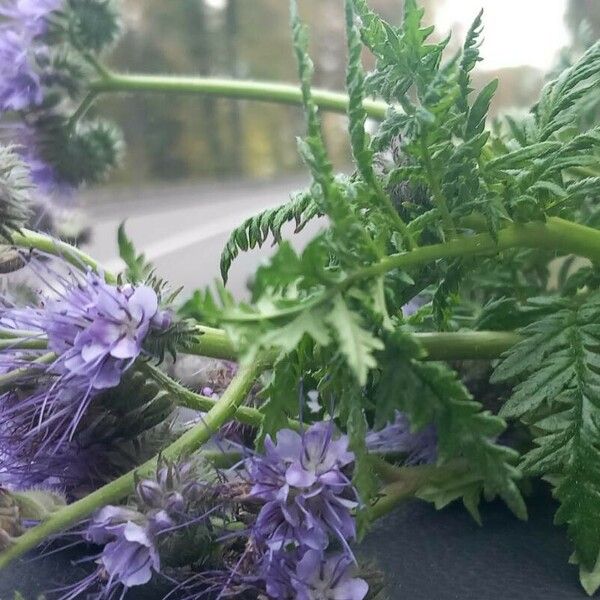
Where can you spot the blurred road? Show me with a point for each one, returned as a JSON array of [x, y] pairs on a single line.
[[183, 228]]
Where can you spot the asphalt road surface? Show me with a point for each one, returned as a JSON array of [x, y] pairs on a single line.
[[183, 228]]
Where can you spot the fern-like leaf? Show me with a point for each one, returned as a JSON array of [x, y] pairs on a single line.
[[256, 230], [432, 393], [560, 396]]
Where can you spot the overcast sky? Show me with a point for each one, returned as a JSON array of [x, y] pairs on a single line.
[[517, 32]]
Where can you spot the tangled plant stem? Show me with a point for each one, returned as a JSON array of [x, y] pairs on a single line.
[[556, 234]]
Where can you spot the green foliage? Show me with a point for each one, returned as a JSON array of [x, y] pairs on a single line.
[[138, 268], [558, 394], [434, 173], [255, 231], [432, 393]]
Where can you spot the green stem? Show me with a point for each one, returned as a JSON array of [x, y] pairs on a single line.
[[13, 376], [82, 110], [556, 234], [224, 410], [230, 88], [395, 216], [11, 334], [23, 344], [189, 399], [211, 342], [467, 345], [459, 345], [40, 241]]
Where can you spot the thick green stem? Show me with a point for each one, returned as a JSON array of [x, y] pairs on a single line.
[[211, 342], [460, 345], [189, 399], [223, 411], [558, 235], [40, 241], [230, 88], [23, 344], [467, 345]]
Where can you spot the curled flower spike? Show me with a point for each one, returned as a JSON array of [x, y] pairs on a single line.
[[97, 331], [172, 496], [306, 493], [173, 510], [15, 186]]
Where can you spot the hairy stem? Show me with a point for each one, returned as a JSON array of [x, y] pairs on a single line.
[[558, 235], [8, 379], [460, 345], [224, 410], [189, 399], [45, 243], [230, 88], [23, 344]]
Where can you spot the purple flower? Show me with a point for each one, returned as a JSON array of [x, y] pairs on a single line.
[[420, 447], [131, 557], [96, 330], [24, 24], [306, 493], [107, 522], [327, 578]]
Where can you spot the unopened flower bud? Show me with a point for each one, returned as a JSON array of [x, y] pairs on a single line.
[[175, 503], [150, 493], [160, 521], [162, 320]]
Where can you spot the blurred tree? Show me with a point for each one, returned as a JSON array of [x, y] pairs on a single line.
[[580, 11], [195, 136]]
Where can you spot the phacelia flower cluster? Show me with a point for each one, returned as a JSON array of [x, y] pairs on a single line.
[[22, 52], [95, 330], [45, 64], [302, 530], [136, 539]]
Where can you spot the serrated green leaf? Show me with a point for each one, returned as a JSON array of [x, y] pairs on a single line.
[[356, 92], [282, 399], [479, 110], [560, 394], [431, 393], [357, 344], [138, 268]]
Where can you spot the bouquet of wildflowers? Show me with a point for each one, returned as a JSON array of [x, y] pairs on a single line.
[[344, 386]]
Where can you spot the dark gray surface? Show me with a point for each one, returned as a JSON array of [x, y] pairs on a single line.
[[425, 555], [445, 555]]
